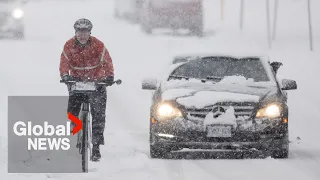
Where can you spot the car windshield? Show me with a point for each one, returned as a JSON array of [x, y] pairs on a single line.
[[220, 67]]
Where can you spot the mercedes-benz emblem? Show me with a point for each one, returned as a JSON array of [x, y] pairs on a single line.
[[217, 111]]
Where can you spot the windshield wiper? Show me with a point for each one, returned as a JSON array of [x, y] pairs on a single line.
[[178, 77], [213, 78]]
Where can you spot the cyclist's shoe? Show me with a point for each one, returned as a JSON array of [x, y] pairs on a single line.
[[96, 153]]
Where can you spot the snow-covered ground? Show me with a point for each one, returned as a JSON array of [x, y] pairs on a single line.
[[30, 67]]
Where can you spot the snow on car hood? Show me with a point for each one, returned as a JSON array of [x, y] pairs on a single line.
[[193, 93], [205, 98]]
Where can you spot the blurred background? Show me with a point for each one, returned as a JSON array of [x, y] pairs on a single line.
[[142, 37]]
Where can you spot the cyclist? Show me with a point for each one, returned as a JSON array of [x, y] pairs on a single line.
[[84, 57]]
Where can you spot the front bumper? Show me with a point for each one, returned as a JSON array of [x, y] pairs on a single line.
[[246, 134]]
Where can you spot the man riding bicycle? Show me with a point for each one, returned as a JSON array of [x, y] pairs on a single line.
[[85, 57]]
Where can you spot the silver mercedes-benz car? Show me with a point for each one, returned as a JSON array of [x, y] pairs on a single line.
[[220, 102]]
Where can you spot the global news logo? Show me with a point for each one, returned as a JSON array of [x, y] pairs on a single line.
[[56, 137]]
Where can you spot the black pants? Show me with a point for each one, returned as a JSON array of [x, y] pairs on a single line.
[[98, 111]]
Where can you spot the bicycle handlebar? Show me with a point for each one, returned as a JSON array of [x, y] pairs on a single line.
[[119, 81]]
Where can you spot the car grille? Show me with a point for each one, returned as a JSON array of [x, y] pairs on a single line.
[[241, 109]]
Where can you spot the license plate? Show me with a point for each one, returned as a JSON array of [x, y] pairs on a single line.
[[219, 131], [81, 86]]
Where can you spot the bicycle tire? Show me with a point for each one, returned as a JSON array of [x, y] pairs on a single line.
[[89, 134], [84, 148], [79, 136], [79, 141]]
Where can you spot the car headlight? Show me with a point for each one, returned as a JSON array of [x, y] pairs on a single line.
[[166, 110], [270, 111], [17, 13]]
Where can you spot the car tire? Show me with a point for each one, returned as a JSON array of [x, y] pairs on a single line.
[[136, 17], [145, 23], [158, 152], [280, 154], [116, 14], [197, 29], [156, 149], [19, 35], [146, 28], [283, 151]]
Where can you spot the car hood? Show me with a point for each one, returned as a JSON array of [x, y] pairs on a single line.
[[198, 94]]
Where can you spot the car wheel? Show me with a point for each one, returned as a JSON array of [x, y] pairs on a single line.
[[116, 14], [157, 151], [198, 31], [136, 17], [280, 154], [19, 35], [281, 150], [145, 24], [197, 26], [146, 28]]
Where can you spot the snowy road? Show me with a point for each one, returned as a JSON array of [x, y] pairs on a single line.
[[30, 67]]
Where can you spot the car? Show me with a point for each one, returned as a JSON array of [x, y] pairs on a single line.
[[127, 9], [11, 18], [173, 14], [219, 102]]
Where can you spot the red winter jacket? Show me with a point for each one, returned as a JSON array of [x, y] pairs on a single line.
[[91, 61]]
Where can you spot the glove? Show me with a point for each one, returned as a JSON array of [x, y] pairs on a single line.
[[108, 80], [69, 78], [66, 77]]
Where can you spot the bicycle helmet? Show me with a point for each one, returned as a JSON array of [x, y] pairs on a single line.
[[82, 24]]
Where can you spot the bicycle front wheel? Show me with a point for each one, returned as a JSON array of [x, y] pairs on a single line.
[[84, 148]]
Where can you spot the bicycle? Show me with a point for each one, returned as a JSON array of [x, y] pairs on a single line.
[[83, 138]]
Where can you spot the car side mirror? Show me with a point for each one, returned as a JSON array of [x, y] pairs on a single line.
[[149, 84], [288, 84], [275, 66]]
